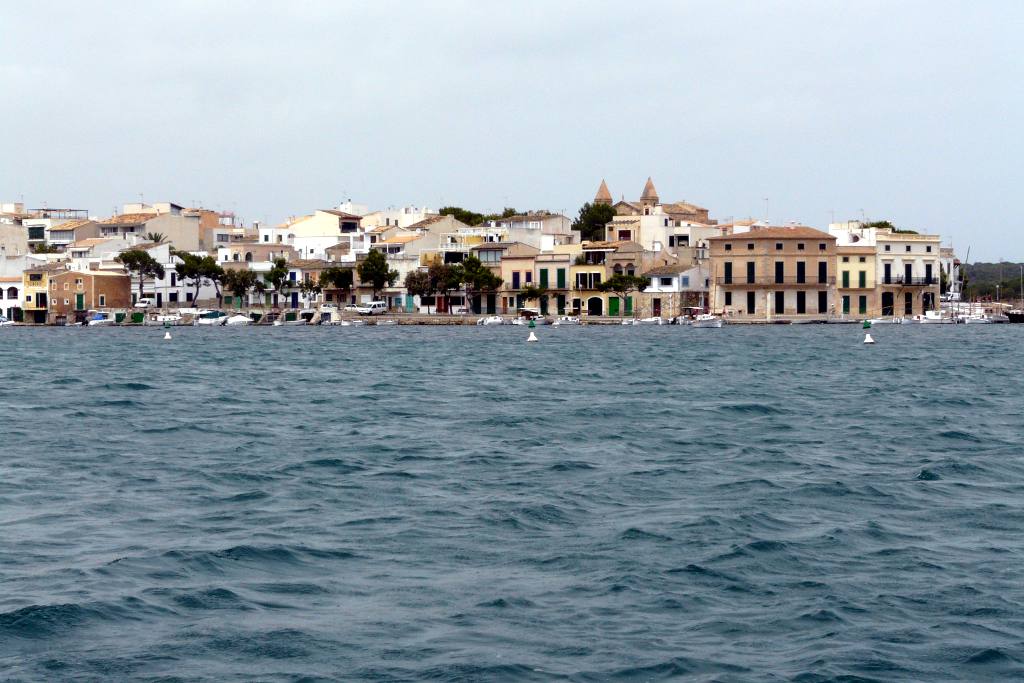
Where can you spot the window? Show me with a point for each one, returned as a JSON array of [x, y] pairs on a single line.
[[727, 273], [821, 246], [846, 279], [728, 247], [801, 302], [846, 259], [228, 300], [780, 271], [66, 302], [750, 246], [35, 277], [489, 255], [862, 304], [908, 303], [846, 304], [822, 272], [801, 272], [78, 281], [266, 238], [560, 278], [188, 296], [174, 279], [888, 247], [908, 247], [665, 282], [529, 276], [685, 281], [103, 299], [751, 303], [800, 246], [53, 286], [822, 302], [928, 249], [172, 297], [863, 259], [862, 279], [728, 298], [778, 246], [67, 286], [543, 277], [780, 302]]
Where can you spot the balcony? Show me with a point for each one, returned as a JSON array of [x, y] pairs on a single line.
[[903, 281], [771, 281]]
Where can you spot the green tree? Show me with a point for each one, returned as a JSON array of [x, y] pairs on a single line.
[[374, 271], [623, 284], [141, 263], [199, 270], [887, 225], [592, 220], [45, 249], [531, 293], [240, 282], [155, 237], [465, 215], [277, 278], [418, 283], [477, 278], [310, 287], [337, 278], [445, 278]]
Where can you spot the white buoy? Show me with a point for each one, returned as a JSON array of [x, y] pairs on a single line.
[[167, 335], [868, 339], [532, 337]]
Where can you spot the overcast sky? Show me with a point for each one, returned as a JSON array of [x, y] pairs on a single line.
[[908, 111]]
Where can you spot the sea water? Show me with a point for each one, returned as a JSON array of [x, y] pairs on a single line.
[[453, 504]]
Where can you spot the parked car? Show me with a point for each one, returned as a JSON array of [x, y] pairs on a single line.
[[145, 303], [351, 308], [372, 308]]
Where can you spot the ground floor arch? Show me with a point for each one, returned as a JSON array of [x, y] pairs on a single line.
[[595, 306]]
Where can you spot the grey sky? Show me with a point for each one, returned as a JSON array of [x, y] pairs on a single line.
[[907, 110]]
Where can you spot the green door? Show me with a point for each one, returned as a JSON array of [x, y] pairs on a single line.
[[79, 302], [629, 305], [613, 305]]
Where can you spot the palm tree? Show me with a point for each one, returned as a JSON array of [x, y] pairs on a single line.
[[155, 237]]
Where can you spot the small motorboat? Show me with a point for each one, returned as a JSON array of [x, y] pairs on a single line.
[[387, 322], [4, 322], [99, 318], [566, 320], [208, 318], [707, 320], [238, 319], [491, 320], [931, 318], [352, 323], [656, 320], [895, 320], [165, 319]]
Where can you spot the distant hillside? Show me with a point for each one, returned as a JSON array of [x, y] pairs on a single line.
[[983, 277]]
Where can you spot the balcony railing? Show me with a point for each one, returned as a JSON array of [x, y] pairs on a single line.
[[772, 280], [910, 281]]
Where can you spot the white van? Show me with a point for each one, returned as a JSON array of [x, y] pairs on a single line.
[[372, 308]]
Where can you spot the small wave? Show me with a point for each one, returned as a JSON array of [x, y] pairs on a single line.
[[635, 534], [927, 475], [990, 655], [247, 496], [762, 546], [66, 380], [570, 465], [503, 603], [127, 386], [212, 599], [750, 409], [957, 435]]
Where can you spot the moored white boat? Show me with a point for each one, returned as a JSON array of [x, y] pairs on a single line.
[[491, 320], [165, 319], [886, 321], [206, 318], [656, 320], [707, 320], [387, 322], [98, 318], [931, 318], [4, 322], [352, 323], [238, 319], [566, 320]]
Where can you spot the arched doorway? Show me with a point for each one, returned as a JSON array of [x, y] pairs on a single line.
[[595, 305]]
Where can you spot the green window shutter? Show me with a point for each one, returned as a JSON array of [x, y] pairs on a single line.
[[846, 304], [560, 274], [846, 278], [543, 277], [862, 304], [862, 280], [629, 305]]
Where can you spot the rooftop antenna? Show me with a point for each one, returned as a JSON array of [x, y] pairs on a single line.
[[766, 210]]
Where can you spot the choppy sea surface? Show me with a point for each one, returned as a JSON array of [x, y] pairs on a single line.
[[453, 504]]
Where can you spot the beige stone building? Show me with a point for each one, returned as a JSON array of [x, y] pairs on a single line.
[[771, 273]]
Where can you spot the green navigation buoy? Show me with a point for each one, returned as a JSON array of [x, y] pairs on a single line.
[[867, 324], [532, 324]]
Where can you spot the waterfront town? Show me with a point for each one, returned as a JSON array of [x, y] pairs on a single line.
[[643, 259]]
